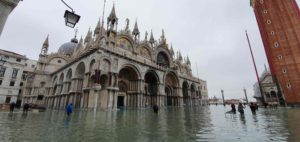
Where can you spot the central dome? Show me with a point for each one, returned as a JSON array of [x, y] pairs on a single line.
[[69, 47]]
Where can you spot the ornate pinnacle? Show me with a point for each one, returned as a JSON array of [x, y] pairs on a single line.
[[112, 16], [135, 31], [180, 57], [46, 42], [151, 40], [188, 60], [172, 51], [88, 36], [97, 29]]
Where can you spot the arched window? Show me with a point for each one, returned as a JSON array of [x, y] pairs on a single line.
[[162, 59]]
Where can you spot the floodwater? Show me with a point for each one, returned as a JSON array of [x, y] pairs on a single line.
[[169, 125]]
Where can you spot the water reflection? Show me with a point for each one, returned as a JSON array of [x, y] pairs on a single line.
[[170, 124]]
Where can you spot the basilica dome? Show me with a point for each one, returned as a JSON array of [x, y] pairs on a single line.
[[69, 47]]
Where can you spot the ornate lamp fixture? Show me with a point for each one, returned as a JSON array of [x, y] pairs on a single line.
[[71, 19]]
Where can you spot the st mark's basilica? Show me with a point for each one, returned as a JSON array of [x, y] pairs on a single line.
[[111, 69]]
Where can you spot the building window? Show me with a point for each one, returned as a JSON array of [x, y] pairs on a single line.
[[14, 73], [272, 33], [58, 61], [40, 97], [6, 57], [7, 100], [21, 84], [269, 22], [25, 64], [288, 85], [279, 57], [284, 70], [276, 44], [2, 71], [32, 66], [12, 83], [0, 82], [24, 76], [18, 60]]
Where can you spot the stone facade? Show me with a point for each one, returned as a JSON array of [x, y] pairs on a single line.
[[10, 75], [6, 7], [110, 69], [270, 92], [279, 24]]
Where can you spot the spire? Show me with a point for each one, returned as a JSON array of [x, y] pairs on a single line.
[[112, 18], [46, 42], [112, 15], [45, 46], [172, 51], [97, 29], [79, 48], [146, 36], [151, 40], [88, 37], [188, 60], [179, 56], [163, 40], [135, 31]]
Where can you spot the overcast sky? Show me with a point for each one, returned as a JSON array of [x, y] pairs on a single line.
[[211, 32]]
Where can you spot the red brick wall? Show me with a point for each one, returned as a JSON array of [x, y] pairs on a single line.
[[279, 24]]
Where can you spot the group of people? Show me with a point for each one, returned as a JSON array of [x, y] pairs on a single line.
[[241, 107], [12, 107]]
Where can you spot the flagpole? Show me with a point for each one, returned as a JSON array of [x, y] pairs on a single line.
[[257, 76]]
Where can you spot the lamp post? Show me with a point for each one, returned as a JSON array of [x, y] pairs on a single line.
[[222, 91], [71, 19], [245, 91]]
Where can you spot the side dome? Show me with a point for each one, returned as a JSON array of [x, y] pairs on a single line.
[[69, 47]]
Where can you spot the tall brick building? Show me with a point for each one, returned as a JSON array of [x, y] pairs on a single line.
[[279, 25]]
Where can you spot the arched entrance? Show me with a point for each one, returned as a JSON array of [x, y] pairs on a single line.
[[151, 88], [78, 81], [128, 87], [171, 89], [185, 93]]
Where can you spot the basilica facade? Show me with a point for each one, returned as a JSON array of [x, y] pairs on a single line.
[[111, 69]]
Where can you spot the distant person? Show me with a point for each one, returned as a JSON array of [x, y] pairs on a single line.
[[233, 109], [241, 108], [69, 109], [25, 108], [12, 106], [155, 108], [256, 106], [266, 104], [253, 108]]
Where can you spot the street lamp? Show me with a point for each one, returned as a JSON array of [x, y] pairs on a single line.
[[71, 19]]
